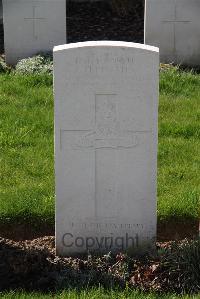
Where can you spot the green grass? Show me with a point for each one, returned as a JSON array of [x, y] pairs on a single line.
[[26, 145], [26, 142], [94, 294], [179, 145]]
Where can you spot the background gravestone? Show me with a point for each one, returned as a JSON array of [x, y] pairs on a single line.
[[1, 12], [32, 26], [106, 102], [174, 27]]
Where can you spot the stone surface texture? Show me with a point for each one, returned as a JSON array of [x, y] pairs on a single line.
[[174, 27], [106, 105], [32, 26], [1, 12]]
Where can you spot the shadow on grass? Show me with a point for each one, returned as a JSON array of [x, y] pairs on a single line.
[[33, 226], [26, 228], [177, 228]]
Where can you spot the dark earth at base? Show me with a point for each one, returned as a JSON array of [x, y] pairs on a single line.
[[171, 229], [33, 266]]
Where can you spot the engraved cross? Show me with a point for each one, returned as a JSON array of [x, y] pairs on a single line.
[[35, 20], [174, 21], [108, 134]]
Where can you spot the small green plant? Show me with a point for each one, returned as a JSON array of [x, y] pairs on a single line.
[[182, 262], [168, 67], [3, 66], [40, 64]]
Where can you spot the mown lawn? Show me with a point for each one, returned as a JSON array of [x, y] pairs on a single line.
[[94, 294], [179, 146], [26, 145]]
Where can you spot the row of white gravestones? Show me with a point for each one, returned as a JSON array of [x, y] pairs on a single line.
[[32, 26], [106, 105], [174, 27]]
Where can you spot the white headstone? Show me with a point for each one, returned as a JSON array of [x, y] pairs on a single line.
[[32, 26], [106, 102], [174, 27]]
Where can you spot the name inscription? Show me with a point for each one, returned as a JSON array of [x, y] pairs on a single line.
[[106, 62]]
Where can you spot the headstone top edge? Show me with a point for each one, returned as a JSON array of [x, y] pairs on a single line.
[[105, 44]]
